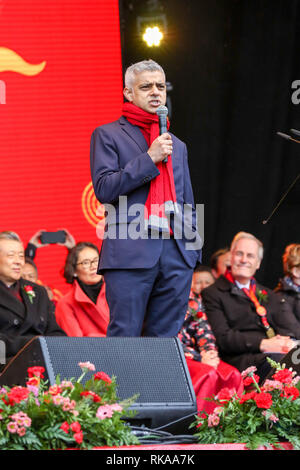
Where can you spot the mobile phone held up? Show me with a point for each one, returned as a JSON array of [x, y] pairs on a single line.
[[53, 237]]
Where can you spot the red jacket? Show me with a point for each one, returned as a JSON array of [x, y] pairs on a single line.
[[77, 315]]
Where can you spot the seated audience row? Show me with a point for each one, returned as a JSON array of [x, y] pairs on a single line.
[[232, 322]]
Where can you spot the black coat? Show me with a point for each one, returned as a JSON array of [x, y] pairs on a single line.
[[238, 328], [20, 322], [291, 296]]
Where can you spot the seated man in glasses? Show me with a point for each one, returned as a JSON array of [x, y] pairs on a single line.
[[83, 311]]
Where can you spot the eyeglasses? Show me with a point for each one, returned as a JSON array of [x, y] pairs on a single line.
[[88, 263]]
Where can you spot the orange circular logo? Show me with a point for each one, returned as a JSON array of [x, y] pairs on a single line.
[[93, 210]]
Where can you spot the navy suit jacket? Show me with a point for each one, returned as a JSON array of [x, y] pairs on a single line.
[[121, 166]]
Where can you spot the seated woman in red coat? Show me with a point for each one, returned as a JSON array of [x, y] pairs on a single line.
[[208, 373], [83, 311]]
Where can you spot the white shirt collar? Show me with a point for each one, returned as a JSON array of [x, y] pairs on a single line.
[[243, 286]]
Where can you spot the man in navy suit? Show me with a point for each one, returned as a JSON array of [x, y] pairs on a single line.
[[151, 243]]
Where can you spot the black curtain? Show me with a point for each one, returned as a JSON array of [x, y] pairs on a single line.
[[232, 64]]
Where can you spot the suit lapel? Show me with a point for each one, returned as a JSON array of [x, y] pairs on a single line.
[[29, 307], [10, 302], [134, 133], [239, 292], [233, 288]]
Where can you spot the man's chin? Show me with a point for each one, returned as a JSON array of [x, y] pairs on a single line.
[[242, 274], [153, 108]]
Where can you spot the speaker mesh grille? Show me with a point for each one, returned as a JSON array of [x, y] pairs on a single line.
[[151, 367]]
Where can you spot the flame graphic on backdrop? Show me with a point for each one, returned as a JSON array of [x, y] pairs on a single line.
[[10, 61]]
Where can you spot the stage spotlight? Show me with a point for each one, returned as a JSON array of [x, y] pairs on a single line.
[[153, 36], [152, 29]]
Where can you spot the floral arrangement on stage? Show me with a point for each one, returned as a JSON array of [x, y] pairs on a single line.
[[261, 416], [65, 415]]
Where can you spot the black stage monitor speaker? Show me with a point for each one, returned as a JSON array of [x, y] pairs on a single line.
[[154, 368]]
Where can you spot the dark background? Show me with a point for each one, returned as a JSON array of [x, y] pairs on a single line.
[[232, 64]]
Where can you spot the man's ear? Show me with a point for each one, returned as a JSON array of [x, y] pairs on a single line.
[[127, 92], [258, 264], [214, 273], [294, 271]]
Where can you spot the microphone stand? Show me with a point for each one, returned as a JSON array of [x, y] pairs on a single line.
[[288, 137]]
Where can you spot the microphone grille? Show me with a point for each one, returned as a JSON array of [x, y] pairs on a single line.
[[162, 110]]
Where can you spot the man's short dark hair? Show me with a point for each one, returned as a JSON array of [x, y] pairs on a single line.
[[202, 269], [31, 262], [9, 235], [216, 255]]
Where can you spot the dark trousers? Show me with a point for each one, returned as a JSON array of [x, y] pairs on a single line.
[[149, 302]]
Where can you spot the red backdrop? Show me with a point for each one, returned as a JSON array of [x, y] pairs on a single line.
[[60, 77]]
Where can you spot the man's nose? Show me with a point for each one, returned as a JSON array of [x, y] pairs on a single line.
[[18, 260], [154, 90]]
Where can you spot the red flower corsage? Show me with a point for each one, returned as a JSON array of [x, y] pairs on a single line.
[[30, 292]]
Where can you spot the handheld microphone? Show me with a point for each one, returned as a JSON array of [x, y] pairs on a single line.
[[288, 137], [285, 136], [162, 112]]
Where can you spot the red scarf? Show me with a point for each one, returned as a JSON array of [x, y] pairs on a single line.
[[260, 310], [161, 198]]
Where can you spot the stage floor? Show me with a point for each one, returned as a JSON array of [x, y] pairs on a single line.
[[190, 447]]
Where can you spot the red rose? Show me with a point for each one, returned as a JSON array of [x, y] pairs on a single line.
[[225, 394], [290, 392], [75, 427], [200, 314], [247, 396], [34, 382], [249, 380], [263, 400], [54, 390], [65, 427], [284, 376], [28, 288], [78, 437], [102, 376], [17, 394], [89, 393], [36, 371]]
